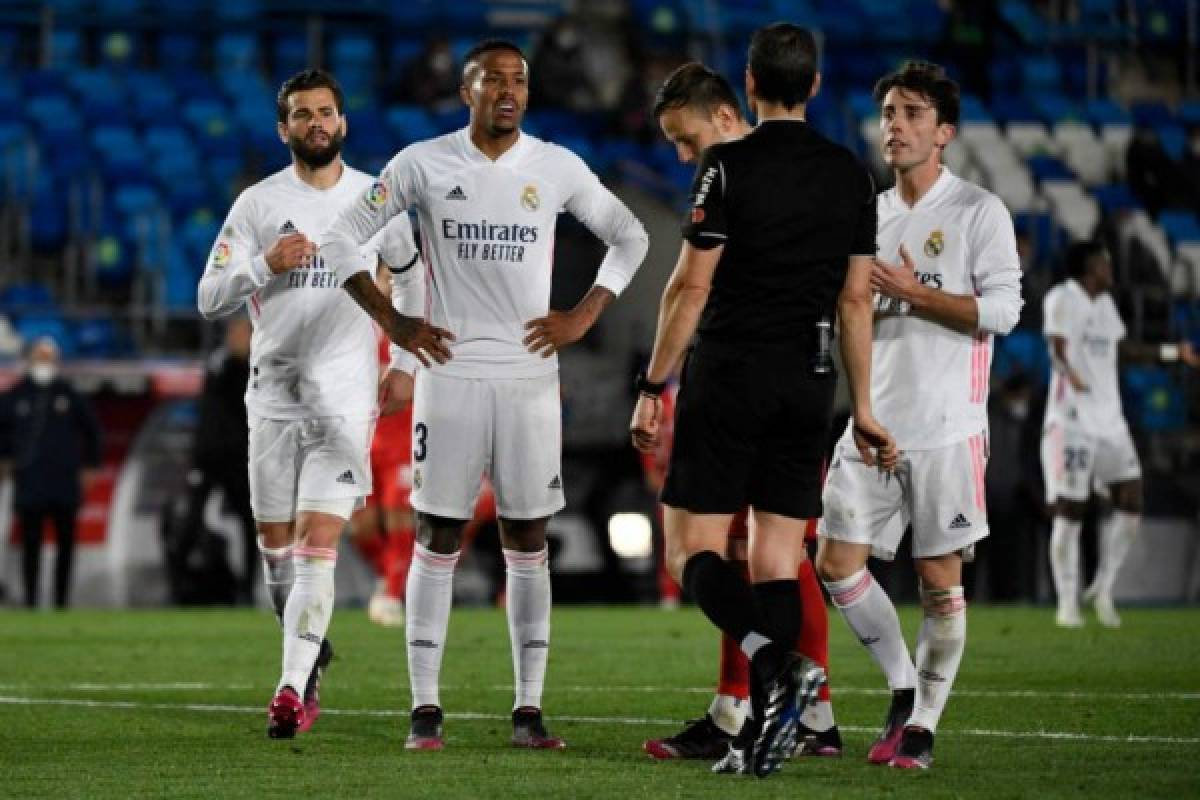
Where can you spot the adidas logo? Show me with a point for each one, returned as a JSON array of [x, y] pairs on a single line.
[[959, 522], [311, 637], [456, 194], [287, 228], [536, 644], [348, 477], [930, 676], [425, 643], [869, 640], [556, 483]]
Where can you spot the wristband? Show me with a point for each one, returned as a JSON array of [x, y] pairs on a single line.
[[644, 386]]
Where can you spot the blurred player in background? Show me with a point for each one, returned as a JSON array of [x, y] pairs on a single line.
[[383, 529], [696, 107], [958, 283], [1085, 438], [311, 399], [488, 198]]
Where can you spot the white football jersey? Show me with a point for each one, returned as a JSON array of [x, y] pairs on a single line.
[[929, 383], [1093, 329], [487, 230], [313, 352]]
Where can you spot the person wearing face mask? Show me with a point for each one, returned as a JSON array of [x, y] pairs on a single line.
[[48, 438]]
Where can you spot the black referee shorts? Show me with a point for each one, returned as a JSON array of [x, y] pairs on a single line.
[[749, 430]]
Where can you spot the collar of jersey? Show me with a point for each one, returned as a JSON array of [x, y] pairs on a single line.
[[297, 181], [477, 155], [944, 179]]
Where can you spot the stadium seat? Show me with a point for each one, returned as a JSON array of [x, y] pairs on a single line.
[[99, 337], [1031, 139], [66, 48], [179, 49], [1180, 225], [1116, 137], [1185, 283], [1115, 197], [1073, 209], [1152, 400], [1083, 152], [236, 53], [33, 327], [28, 298], [1030, 26], [1174, 140], [410, 124]]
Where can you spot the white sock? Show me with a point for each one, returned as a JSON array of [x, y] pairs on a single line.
[[429, 595], [729, 713], [527, 599], [753, 643], [307, 613], [818, 717], [1064, 562], [278, 575], [870, 614], [939, 651], [1117, 535]]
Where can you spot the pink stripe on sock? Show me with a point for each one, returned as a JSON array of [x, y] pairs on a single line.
[[444, 560], [518, 558], [326, 553], [848, 597]]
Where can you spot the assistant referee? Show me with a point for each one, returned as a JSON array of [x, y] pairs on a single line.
[[778, 246]]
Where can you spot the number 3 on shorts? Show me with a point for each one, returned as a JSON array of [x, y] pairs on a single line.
[[420, 431]]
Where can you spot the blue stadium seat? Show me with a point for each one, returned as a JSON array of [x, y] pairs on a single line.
[[1049, 168], [289, 55], [1174, 140], [30, 328], [236, 52], [48, 213], [1054, 108], [1041, 74], [100, 337], [401, 52], [972, 109], [26, 298], [66, 48], [237, 10], [1103, 111], [1030, 26], [1188, 113], [118, 8], [1115, 197], [1152, 400], [1151, 115], [410, 124], [178, 50], [354, 53], [1022, 351], [1180, 225]]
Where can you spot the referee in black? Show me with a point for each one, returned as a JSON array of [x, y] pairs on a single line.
[[778, 246]]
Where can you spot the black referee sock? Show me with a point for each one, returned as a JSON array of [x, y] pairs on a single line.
[[779, 610], [722, 594]]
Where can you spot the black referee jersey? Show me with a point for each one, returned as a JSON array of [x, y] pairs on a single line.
[[752, 418], [790, 207]]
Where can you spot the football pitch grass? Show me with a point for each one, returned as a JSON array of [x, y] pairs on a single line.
[[171, 704]]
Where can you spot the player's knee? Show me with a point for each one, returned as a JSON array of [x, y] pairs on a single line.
[[946, 612], [439, 534], [525, 535], [833, 566]]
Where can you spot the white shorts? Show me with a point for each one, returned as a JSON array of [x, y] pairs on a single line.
[[1073, 460], [939, 492], [318, 464], [509, 430]]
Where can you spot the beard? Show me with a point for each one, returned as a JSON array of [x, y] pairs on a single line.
[[316, 157]]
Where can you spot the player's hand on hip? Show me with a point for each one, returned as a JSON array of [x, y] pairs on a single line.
[[395, 391], [289, 252], [895, 280], [549, 334], [1189, 355], [875, 444], [646, 424], [428, 343]]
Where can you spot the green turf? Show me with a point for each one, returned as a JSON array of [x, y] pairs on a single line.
[[1097, 685]]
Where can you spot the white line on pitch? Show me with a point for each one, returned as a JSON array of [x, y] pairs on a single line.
[[474, 715], [199, 686]]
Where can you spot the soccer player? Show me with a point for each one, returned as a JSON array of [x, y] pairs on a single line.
[[1085, 439], [780, 236], [696, 107], [487, 198], [311, 397], [383, 529], [957, 284]]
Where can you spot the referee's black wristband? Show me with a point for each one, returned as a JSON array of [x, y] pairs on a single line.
[[644, 386]]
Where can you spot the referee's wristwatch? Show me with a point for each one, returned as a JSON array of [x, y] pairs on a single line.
[[645, 386]]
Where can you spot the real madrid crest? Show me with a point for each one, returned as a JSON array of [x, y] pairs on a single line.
[[935, 244], [529, 198]]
